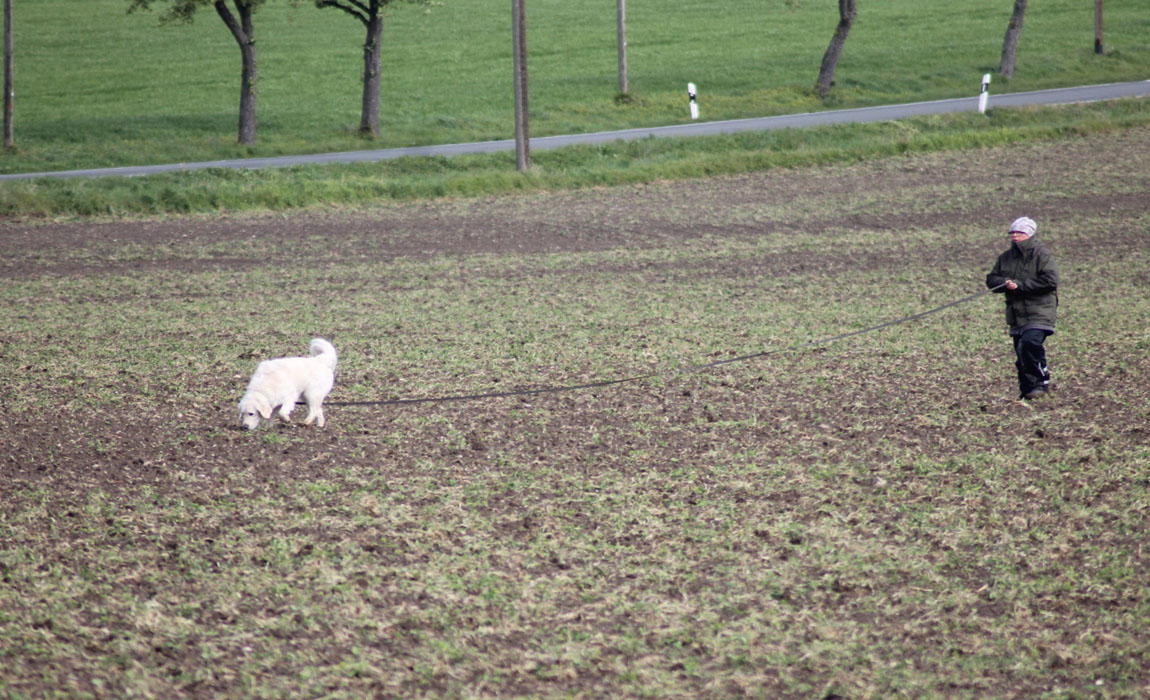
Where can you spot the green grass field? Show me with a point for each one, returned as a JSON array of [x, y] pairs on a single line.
[[97, 87]]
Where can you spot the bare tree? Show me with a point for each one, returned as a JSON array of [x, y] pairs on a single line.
[[848, 10], [239, 24], [370, 14], [1010, 43]]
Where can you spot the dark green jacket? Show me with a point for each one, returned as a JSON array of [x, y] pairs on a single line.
[[1035, 303]]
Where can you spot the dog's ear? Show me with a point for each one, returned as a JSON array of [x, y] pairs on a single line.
[[263, 406]]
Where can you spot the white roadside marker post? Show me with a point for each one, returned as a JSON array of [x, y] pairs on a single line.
[[694, 105], [983, 95]]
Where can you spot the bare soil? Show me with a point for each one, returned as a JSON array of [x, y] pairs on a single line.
[[66, 453]]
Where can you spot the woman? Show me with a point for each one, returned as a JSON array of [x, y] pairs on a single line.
[[1028, 276]]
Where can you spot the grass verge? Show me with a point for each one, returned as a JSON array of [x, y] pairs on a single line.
[[649, 160]]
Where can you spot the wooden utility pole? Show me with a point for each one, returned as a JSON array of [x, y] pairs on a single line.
[[622, 22], [1097, 26], [519, 41], [9, 141]]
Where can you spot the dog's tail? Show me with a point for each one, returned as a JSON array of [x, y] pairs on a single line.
[[325, 350]]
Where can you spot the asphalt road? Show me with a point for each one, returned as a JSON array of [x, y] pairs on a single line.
[[1089, 93]]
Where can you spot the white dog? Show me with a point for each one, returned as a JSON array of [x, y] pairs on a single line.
[[279, 383]]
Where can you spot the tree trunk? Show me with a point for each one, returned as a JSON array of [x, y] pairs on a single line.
[[848, 10], [1010, 43], [242, 31], [372, 72]]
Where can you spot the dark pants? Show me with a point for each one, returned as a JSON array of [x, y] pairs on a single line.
[[1031, 363]]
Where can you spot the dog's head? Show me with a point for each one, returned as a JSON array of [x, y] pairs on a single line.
[[252, 408]]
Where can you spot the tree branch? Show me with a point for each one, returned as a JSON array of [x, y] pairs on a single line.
[[230, 20], [354, 8]]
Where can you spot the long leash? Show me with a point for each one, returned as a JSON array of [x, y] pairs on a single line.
[[680, 370]]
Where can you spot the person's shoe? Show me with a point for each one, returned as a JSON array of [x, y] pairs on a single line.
[[1035, 393]]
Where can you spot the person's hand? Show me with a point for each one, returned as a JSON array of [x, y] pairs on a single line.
[[1011, 285]]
